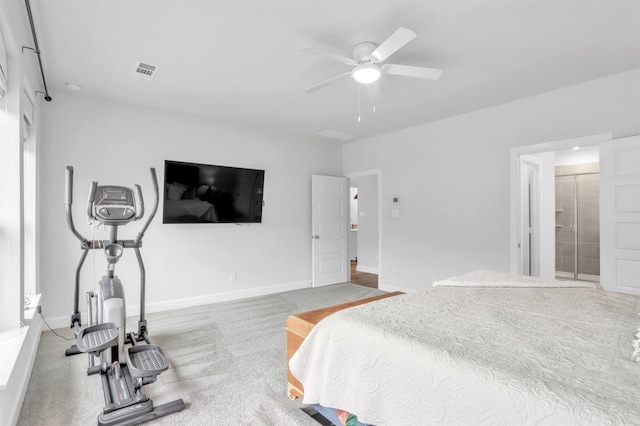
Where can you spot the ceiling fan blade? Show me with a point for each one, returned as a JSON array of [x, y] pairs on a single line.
[[410, 71], [334, 56], [392, 44], [326, 82]]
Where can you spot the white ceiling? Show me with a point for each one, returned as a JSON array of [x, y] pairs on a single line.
[[240, 61]]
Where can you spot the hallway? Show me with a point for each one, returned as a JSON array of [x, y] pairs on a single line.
[[363, 278]]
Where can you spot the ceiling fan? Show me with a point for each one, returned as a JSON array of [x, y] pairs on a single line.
[[367, 56]]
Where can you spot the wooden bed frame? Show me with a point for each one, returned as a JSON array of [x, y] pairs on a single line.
[[300, 325]]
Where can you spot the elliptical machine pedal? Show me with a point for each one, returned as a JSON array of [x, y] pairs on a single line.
[[123, 373], [97, 338], [146, 361]]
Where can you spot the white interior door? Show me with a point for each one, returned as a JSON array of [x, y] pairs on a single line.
[[330, 221], [529, 210], [620, 215]]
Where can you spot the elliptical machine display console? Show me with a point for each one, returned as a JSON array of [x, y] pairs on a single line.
[[126, 361]]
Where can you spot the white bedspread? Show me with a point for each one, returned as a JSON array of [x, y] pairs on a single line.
[[478, 356], [485, 278]]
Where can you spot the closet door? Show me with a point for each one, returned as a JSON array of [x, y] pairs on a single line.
[[620, 215], [330, 222]]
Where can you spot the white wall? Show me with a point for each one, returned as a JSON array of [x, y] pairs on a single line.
[[368, 224], [452, 176], [116, 143], [579, 156], [545, 227], [353, 206], [353, 221]]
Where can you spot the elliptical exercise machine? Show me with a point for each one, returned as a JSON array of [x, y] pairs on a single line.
[[124, 371]]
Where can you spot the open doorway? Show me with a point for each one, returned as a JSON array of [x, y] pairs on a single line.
[[363, 278], [577, 191], [544, 255], [364, 228]]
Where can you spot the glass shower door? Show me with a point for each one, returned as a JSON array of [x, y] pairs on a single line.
[[566, 247], [588, 228], [578, 227]]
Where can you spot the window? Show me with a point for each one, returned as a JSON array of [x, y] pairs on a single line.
[[10, 212], [17, 189], [28, 135]]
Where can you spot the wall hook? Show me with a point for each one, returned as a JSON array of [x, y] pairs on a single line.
[[30, 48], [46, 95]]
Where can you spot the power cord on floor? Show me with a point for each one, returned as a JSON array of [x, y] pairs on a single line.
[[49, 327]]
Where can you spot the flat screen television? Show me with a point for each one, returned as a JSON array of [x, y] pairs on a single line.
[[203, 193]]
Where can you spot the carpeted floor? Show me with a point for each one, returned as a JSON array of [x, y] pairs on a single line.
[[227, 362]]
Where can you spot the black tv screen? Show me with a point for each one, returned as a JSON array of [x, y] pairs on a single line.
[[203, 193]]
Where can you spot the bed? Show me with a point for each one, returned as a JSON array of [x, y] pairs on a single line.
[[483, 348]]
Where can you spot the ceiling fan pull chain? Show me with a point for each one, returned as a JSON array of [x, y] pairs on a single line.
[[358, 103]]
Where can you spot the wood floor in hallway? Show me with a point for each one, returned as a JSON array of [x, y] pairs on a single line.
[[363, 278]]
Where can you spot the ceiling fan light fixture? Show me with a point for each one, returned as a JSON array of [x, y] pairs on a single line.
[[366, 73]]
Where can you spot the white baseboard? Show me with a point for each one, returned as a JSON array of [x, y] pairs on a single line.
[[218, 297], [64, 322]]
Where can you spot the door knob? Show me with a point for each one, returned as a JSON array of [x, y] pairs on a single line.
[[316, 237]]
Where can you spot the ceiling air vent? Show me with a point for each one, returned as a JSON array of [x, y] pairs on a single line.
[[332, 134], [145, 71]]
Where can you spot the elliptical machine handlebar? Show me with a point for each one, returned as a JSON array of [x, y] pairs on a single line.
[[87, 245], [156, 201], [92, 196], [154, 179], [68, 201], [68, 187], [140, 202]]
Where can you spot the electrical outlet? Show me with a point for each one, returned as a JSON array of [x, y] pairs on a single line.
[[233, 277]]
